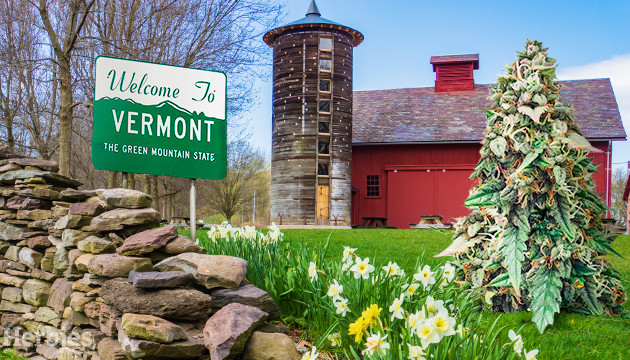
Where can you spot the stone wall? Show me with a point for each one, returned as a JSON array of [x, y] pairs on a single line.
[[88, 275]]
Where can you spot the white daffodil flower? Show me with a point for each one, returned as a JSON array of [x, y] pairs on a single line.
[[415, 352], [335, 339], [425, 276], [414, 320], [376, 343], [433, 306], [312, 355], [347, 253], [427, 333], [449, 271], [517, 340], [335, 290], [392, 269], [531, 355], [362, 268], [312, 271], [342, 306], [396, 308], [250, 232], [411, 289], [444, 324]]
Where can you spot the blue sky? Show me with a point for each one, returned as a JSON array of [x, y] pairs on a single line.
[[590, 40]]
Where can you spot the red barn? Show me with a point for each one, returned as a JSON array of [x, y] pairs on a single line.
[[414, 149]]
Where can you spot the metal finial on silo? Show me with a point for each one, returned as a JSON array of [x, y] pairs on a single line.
[[313, 10]]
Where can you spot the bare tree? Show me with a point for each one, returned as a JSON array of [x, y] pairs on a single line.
[[619, 207]]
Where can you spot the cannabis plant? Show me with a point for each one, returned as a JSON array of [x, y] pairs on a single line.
[[534, 238]]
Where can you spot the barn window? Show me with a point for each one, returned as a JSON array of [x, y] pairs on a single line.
[[324, 106], [324, 127], [325, 44], [373, 186], [324, 85], [325, 65]]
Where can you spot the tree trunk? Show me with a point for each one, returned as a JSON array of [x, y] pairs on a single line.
[[131, 181], [112, 180], [65, 115], [155, 192], [147, 184]]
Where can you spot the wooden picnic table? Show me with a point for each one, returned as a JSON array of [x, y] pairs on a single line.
[[431, 221], [374, 221]]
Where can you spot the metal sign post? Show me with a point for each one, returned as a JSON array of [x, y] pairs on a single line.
[[193, 210]]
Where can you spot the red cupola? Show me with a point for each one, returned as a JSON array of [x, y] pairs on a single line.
[[454, 72]]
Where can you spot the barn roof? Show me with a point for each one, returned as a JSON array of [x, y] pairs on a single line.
[[421, 115]]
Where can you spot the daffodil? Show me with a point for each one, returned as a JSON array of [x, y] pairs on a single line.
[[312, 355], [531, 355], [335, 290], [449, 271], [488, 297], [335, 339], [312, 271], [376, 343], [392, 269], [517, 340], [341, 305], [427, 333], [414, 320], [356, 329], [444, 324], [396, 308], [371, 314], [347, 253], [425, 276], [362, 268], [346, 266], [415, 352], [411, 289], [433, 306], [249, 232], [461, 331]]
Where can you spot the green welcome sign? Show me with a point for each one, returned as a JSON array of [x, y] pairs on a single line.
[[159, 119]]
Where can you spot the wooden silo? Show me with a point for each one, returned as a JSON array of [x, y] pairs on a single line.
[[312, 120]]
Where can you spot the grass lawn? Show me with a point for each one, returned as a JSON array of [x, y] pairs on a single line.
[[572, 336]]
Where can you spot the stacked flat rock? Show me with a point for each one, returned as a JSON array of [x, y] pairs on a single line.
[[89, 275]]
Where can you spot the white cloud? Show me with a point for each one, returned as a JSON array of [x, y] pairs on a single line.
[[617, 69]]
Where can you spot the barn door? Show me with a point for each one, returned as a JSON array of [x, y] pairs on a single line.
[[323, 197]]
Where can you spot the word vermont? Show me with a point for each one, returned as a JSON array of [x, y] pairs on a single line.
[[163, 126]]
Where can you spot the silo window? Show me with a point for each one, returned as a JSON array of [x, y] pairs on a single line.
[[324, 85], [325, 44], [325, 65], [323, 148], [324, 106], [324, 127], [322, 169], [373, 186]]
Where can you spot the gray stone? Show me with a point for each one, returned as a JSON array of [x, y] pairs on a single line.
[[110, 349], [177, 304], [96, 245], [39, 193], [16, 307], [47, 315], [228, 330], [78, 301], [12, 253], [36, 292], [31, 258], [75, 318], [60, 293], [161, 280], [42, 164], [152, 328], [76, 195], [144, 349], [61, 263], [270, 346], [114, 265], [9, 232], [11, 280], [81, 263], [85, 209], [12, 294], [34, 215], [147, 241], [125, 198], [72, 222], [272, 328], [71, 237], [52, 178], [118, 219], [246, 294], [43, 224], [211, 271], [182, 245], [47, 351]]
